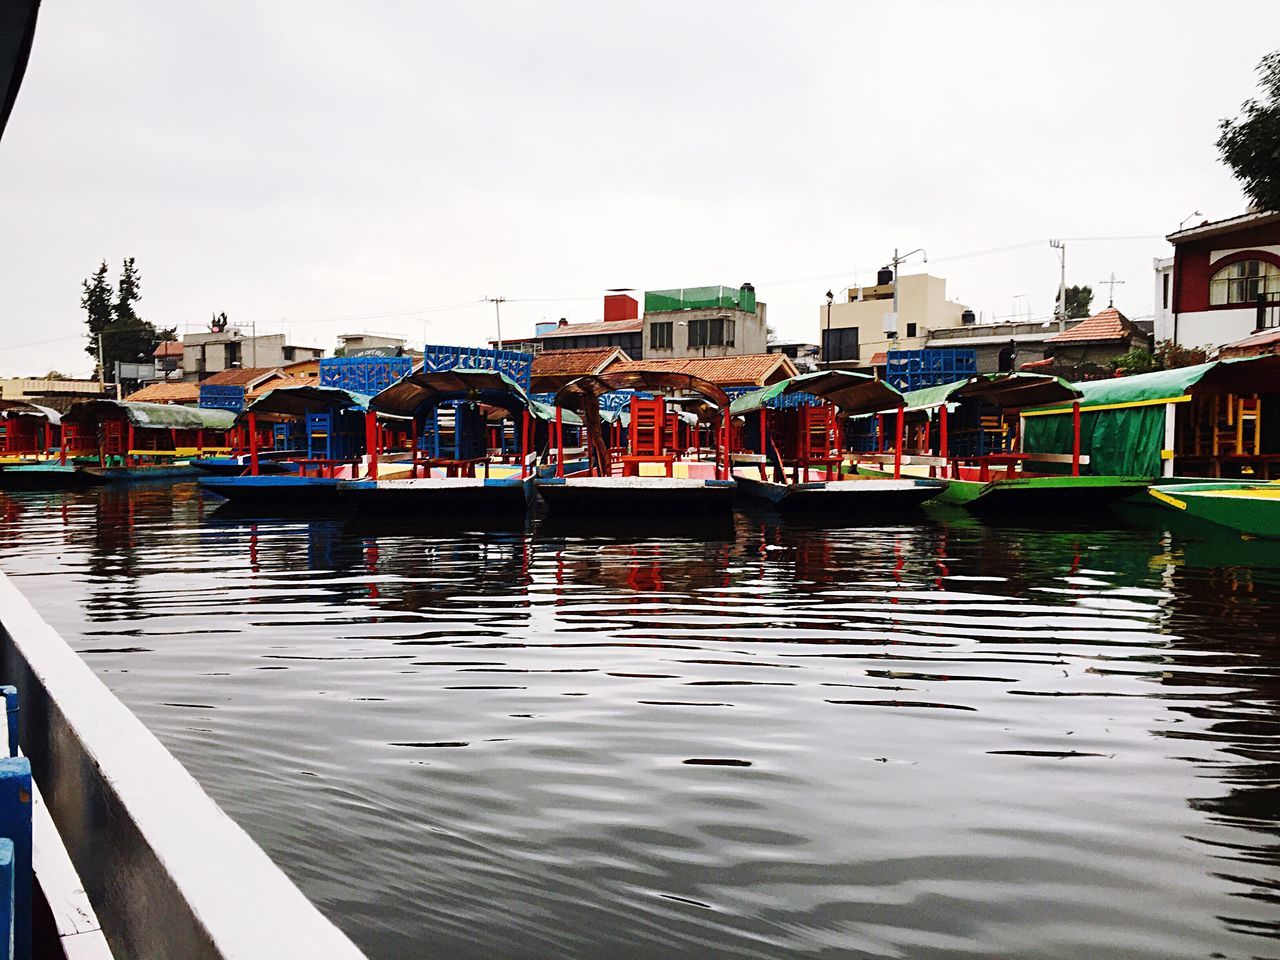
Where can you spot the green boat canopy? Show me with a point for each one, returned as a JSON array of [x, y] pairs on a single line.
[[151, 416], [853, 393], [1001, 389], [301, 399], [25, 408], [547, 413]]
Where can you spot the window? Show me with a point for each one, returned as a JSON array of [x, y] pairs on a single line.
[[660, 336], [712, 332], [1244, 282], [911, 329], [1164, 288], [840, 343]]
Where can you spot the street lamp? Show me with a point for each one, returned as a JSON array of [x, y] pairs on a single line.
[[826, 338], [1195, 213]]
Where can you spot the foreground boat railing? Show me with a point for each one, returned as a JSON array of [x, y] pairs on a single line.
[[167, 872]]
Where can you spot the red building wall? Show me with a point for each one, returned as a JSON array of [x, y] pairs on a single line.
[[1192, 268]]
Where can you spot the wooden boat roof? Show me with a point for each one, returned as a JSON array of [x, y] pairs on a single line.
[[853, 393], [422, 391], [25, 408], [151, 416], [295, 400], [638, 378]]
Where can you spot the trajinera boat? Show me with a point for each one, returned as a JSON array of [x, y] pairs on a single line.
[[789, 449], [459, 460], [1251, 508], [662, 470], [970, 433], [109, 441], [29, 433], [329, 428]]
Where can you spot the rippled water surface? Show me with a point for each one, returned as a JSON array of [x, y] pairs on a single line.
[[930, 738]]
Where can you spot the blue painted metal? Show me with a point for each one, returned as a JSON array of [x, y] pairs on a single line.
[[785, 401], [915, 369], [516, 365], [367, 375], [219, 397], [15, 824], [7, 886], [11, 716]]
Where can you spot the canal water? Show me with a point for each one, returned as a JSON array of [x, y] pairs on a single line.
[[936, 737]]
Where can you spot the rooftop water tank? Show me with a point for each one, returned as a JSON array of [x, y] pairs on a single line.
[[884, 276], [968, 317]]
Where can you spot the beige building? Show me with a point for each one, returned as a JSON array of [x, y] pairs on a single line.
[[207, 353], [854, 331], [708, 332], [20, 388]]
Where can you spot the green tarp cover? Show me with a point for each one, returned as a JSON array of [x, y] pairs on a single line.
[[307, 398], [699, 298], [1003, 389], [545, 411], [1160, 385], [851, 392], [152, 416], [1118, 443]]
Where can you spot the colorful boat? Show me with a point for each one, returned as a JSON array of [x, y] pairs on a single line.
[[111, 441], [1251, 508], [971, 433], [334, 426], [458, 460], [662, 470], [793, 455]]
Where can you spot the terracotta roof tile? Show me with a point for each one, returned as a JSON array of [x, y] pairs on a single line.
[[575, 363], [1255, 345], [168, 348], [1110, 324], [271, 384], [179, 392], [240, 376], [879, 359], [751, 370]]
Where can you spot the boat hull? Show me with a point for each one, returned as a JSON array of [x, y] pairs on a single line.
[[1250, 508], [843, 497], [1029, 494], [284, 493], [235, 466], [633, 496], [47, 476], [439, 497]]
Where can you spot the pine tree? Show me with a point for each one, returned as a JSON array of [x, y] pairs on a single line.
[[126, 337], [1078, 300], [96, 301]]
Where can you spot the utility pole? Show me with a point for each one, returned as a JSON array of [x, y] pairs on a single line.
[[253, 343], [897, 259], [1112, 284], [497, 314], [102, 367], [826, 340], [1060, 311]]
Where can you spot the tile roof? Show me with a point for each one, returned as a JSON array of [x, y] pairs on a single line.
[[879, 359], [593, 329], [751, 370], [177, 392], [1110, 324], [168, 348], [241, 376], [575, 363], [274, 382]]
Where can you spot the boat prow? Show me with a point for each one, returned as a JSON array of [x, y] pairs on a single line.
[[844, 497], [440, 496], [1251, 508], [276, 490], [630, 496]]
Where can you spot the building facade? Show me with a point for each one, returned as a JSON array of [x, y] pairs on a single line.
[[208, 353], [856, 329], [1224, 282]]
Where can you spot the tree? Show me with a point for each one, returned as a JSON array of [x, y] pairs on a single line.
[[1250, 144], [1137, 360], [1170, 356], [111, 315], [1078, 300]]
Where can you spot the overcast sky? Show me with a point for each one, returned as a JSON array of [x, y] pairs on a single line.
[[322, 167]]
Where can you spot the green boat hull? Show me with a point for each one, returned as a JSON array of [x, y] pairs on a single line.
[[1033, 493], [1251, 508]]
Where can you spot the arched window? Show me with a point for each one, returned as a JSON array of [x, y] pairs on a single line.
[[1243, 282]]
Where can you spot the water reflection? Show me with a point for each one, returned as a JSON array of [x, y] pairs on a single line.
[[926, 738]]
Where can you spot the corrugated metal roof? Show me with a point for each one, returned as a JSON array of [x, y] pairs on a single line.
[[1254, 345], [749, 370], [592, 329]]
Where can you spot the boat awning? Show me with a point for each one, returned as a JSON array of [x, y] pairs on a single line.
[[853, 393], [301, 399], [25, 408], [419, 392], [546, 412], [597, 385], [1002, 389], [151, 416], [1162, 386]]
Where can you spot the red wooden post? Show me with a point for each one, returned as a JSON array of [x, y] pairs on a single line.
[[559, 442], [1075, 439], [128, 450], [62, 445], [897, 447], [253, 444], [48, 436], [943, 446], [371, 442]]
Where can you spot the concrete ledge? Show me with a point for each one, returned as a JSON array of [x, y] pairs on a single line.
[[167, 872]]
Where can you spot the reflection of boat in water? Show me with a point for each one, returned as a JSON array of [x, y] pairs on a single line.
[[969, 432], [806, 438], [1251, 508]]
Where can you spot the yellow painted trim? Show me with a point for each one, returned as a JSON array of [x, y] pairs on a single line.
[[1166, 454], [1165, 498], [1108, 406]]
